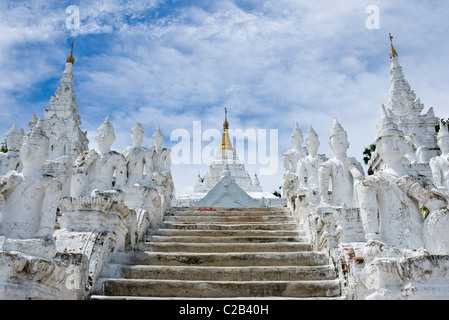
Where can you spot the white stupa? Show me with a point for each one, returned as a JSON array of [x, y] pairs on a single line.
[[227, 157], [405, 110]]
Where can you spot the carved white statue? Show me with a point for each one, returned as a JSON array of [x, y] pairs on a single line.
[[440, 164], [161, 174], [343, 170], [291, 157], [161, 156], [139, 160], [389, 199], [307, 168], [161, 159], [11, 159], [94, 170], [139, 187], [290, 161], [30, 197]]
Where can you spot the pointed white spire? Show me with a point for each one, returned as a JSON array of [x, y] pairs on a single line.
[[337, 128], [296, 131], [107, 126], [14, 138], [383, 112], [430, 113], [37, 132], [158, 132], [310, 132], [402, 100], [13, 130], [386, 126]]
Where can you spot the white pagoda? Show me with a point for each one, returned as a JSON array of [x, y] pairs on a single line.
[[226, 155], [61, 123], [405, 110], [226, 158]]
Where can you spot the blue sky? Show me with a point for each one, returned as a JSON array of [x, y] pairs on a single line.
[[271, 63]]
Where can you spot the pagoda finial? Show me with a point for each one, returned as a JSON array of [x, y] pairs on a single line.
[[226, 142], [226, 123], [71, 59], [393, 52]]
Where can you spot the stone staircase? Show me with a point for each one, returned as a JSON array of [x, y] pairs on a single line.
[[250, 253]]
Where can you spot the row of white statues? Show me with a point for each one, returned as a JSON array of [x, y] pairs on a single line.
[[305, 170], [389, 201], [62, 217], [31, 197], [66, 210]]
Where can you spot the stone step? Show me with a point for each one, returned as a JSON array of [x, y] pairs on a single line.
[[216, 273], [230, 226], [226, 247], [305, 258], [223, 289], [230, 211], [221, 219], [238, 253], [228, 214], [226, 239], [224, 233]]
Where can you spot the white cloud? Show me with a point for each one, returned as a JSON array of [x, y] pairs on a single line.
[[270, 62]]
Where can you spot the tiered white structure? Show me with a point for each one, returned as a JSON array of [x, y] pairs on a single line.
[[61, 124], [227, 155], [205, 190], [62, 120], [405, 110]]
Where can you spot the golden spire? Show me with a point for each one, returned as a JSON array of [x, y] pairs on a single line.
[[226, 141], [226, 123], [71, 59], [393, 52]]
